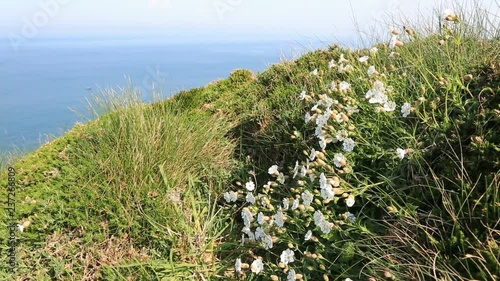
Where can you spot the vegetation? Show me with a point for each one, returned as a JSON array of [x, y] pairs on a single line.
[[394, 174]]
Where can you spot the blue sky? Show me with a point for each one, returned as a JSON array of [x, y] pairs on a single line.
[[215, 18]]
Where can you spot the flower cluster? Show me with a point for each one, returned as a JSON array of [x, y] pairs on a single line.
[[316, 192]]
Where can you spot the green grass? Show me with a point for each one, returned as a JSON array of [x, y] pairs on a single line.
[[122, 188], [136, 194]]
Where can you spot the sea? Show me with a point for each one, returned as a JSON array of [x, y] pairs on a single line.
[[45, 83]]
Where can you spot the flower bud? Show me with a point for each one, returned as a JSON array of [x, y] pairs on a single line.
[[25, 224], [409, 31], [467, 77], [335, 181], [338, 191], [433, 105], [320, 162], [330, 168], [321, 156], [274, 278], [392, 209], [477, 139], [452, 18], [344, 117]]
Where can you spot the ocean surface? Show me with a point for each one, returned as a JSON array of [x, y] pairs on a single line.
[[45, 81]]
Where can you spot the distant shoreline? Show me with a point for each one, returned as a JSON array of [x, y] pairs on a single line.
[[49, 76]]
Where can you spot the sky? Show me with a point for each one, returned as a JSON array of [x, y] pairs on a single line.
[[216, 19]]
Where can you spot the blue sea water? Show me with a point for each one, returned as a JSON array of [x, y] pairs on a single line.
[[44, 81]]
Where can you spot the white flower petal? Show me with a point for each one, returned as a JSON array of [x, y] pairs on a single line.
[[250, 186], [363, 58], [349, 201], [237, 265], [401, 153], [308, 235], [287, 256], [273, 169], [257, 266], [393, 41], [291, 275]]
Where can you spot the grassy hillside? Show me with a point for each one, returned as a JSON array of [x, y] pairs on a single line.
[[394, 174]]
